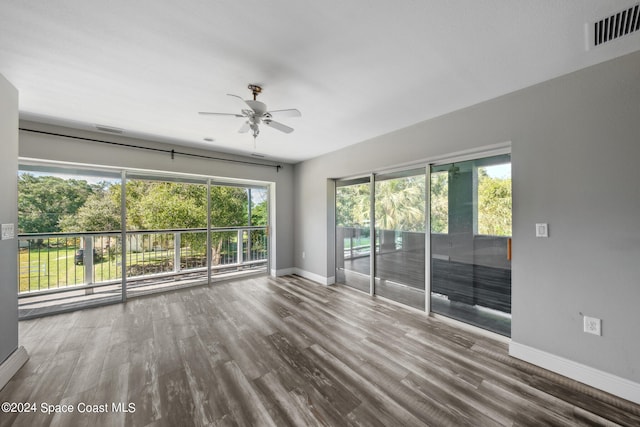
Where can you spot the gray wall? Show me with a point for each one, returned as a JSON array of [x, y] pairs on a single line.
[[8, 215], [52, 148], [575, 148]]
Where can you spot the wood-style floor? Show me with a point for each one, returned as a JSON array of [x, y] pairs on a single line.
[[281, 352]]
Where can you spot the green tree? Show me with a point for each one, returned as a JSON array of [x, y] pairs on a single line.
[[259, 214], [172, 205], [44, 200], [100, 212], [439, 200], [229, 207], [157, 205], [259, 217], [49, 204], [259, 207], [135, 191], [352, 205], [400, 204], [494, 205]]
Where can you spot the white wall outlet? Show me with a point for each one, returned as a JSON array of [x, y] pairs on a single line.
[[542, 230], [592, 325], [303, 255]]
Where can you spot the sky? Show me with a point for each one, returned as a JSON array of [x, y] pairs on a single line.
[[499, 171]]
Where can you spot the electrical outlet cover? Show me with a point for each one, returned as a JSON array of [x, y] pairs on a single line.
[[592, 325], [8, 231]]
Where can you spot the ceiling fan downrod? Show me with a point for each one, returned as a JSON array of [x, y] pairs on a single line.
[[255, 90]]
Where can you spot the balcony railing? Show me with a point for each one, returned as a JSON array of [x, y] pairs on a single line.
[[57, 262]]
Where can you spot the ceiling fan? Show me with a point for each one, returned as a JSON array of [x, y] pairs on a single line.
[[258, 113]]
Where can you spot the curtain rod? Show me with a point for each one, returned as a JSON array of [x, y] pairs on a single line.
[[161, 150]]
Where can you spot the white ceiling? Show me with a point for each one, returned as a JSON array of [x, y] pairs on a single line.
[[355, 69]]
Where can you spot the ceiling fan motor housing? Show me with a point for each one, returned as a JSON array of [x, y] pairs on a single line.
[[260, 108]]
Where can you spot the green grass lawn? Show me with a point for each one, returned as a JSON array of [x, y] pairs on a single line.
[[46, 268], [51, 268], [357, 242]]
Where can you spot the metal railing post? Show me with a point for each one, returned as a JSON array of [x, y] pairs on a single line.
[[176, 251], [249, 257], [372, 234], [123, 233], [239, 247], [87, 243], [208, 249], [351, 233]]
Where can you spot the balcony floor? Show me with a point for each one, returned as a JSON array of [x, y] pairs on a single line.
[[408, 269], [70, 299]]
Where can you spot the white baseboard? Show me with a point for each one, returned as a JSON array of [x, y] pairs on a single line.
[[10, 366], [306, 274], [610, 383], [282, 272], [315, 277]]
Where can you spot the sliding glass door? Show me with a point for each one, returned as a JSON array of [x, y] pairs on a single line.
[[69, 239], [396, 237], [90, 237], [468, 247], [353, 233], [400, 223], [470, 242]]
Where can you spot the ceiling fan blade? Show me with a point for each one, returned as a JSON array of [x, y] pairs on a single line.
[[279, 126], [291, 112], [240, 98], [206, 113], [245, 128]]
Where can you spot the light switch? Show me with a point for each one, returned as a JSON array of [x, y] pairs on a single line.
[[542, 230], [8, 231]]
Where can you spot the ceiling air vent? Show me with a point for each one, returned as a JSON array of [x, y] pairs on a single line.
[[617, 25], [109, 129]]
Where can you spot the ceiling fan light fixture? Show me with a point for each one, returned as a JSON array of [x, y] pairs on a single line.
[[255, 129]]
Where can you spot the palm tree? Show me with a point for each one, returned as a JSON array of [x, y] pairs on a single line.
[[400, 204]]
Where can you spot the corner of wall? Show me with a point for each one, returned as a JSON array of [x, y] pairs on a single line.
[[314, 277], [9, 367], [8, 215]]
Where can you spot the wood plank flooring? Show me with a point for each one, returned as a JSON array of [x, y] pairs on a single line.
[[285, 352]]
